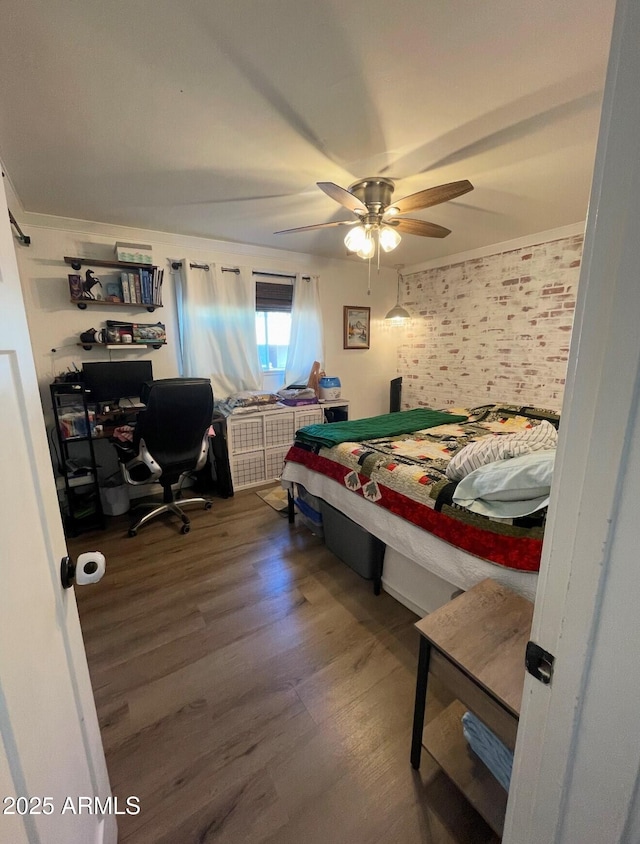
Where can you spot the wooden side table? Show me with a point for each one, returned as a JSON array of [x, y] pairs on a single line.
[[475, 645]]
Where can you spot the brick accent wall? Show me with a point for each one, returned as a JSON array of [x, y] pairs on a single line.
[[491, 329]]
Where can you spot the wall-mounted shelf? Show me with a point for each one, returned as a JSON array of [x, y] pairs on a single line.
[[82, 304], [77, 263], [139, 284], [119, 346]]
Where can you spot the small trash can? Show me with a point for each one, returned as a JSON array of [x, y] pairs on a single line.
[[114, 499]]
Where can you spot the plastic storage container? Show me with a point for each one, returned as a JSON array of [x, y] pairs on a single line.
[[309, 510], [356, 547], [329, 388]]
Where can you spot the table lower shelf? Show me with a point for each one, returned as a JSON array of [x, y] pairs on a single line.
[[443, 739]]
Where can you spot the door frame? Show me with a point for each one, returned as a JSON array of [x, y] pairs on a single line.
[[577, 758], [49, 731]]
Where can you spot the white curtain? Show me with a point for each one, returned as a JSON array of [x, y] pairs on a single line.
[[217, 327], [307, 342]]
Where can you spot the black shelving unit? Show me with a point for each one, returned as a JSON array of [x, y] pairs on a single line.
[[82, 509]]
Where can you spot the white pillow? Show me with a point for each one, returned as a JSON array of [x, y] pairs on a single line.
[[500, 447], [508, 488]]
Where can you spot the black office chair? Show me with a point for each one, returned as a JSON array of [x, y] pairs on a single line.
[[170, 440]]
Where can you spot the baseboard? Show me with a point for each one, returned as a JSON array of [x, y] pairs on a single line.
[[402, 599]]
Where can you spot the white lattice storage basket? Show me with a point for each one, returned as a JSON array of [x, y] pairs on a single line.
[[312, 416], [274, 458], [246, 434], [248, 469], [278, 429]]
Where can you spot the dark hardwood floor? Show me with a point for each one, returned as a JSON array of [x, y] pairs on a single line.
[[251, 688]]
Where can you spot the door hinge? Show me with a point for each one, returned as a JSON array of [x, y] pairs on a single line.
[[539, 663]]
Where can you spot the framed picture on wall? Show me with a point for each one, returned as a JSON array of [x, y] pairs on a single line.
[[357, 327]]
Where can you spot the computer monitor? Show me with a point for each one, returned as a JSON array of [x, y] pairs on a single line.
[[116, 379]]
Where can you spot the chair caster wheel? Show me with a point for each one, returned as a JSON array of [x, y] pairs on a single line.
[[208, 505], [185, 528], [133, 532]]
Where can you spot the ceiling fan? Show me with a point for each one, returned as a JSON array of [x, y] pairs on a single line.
[[377, 217]]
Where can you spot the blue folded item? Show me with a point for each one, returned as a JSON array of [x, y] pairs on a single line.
[[488, 748]]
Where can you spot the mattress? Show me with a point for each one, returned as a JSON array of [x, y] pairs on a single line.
[[426, 551]]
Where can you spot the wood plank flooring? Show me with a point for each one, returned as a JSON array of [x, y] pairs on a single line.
[[251, 688]]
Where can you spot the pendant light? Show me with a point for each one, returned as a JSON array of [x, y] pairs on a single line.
[[398, 314]]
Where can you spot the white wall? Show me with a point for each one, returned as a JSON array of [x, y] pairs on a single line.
[[55, 323]]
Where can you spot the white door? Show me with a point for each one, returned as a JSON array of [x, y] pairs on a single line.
[[50, 747], [576, 771]]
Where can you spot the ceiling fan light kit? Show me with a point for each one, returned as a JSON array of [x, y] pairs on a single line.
[[359, 239], [378, 222], [389, 238]]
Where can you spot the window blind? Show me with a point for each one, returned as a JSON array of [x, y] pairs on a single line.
[[273, 296]]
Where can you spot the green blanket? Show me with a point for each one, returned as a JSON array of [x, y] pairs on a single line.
[[374, 427]]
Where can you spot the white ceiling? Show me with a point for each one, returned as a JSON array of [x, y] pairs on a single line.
[[217, 117]]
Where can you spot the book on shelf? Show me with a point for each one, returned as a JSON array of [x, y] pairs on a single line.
[[126, 289], [146, 287], [113, 290], [135, 278], [75, 286], [157, 286]]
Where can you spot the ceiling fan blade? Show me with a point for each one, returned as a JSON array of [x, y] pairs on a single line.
[[430, 196], [420, 227], [319, 226], [343, 197]]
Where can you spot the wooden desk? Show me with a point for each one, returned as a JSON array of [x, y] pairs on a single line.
[[475, 645], [115, 418]]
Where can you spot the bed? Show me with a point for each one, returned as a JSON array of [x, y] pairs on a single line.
[[402, 476]]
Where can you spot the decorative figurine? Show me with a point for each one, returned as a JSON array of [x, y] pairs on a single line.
[[90, 281]]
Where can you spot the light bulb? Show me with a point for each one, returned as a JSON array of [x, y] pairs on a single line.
[[368, 248], [355, 239], [389, 238]]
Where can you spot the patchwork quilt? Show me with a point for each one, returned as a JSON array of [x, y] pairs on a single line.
[[407, 474]]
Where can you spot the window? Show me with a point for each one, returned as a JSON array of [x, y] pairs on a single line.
[[273, 331], [273, 322]]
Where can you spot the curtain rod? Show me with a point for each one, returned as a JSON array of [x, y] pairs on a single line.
[[22, 237], [281, 275], [176, 265]]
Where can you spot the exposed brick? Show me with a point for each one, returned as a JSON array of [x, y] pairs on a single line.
[[479, 306]]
